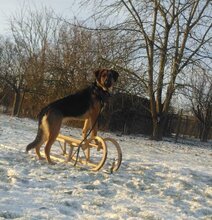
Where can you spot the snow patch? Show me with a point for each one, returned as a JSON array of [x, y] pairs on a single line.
[[157, 180]]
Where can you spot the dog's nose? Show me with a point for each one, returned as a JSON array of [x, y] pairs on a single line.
[[108, 83]]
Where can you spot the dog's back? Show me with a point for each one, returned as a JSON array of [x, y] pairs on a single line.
[[74, 105]]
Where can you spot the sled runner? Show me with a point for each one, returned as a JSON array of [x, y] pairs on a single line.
[[91, 153]]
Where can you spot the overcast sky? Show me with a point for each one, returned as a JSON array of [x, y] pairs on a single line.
[[67, 8]]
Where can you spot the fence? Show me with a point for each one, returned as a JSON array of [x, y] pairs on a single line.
[[185, 126]]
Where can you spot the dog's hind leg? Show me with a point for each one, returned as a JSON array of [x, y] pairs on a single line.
[[45, 134], [54, 123], [39, 140]]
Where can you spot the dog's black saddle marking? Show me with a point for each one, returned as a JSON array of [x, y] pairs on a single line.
[[81, 100]]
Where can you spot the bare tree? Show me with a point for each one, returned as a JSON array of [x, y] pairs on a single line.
[[12, 73], [199, 94], [167, 37], [31, 31]]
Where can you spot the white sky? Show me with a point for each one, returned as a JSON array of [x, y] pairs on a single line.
[[66, 8]]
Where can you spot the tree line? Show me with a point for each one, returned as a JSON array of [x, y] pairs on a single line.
[[160, 48]]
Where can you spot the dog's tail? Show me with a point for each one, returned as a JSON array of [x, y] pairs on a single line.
[[39, 140]]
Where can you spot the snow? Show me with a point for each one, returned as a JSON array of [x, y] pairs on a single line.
[[157, 180]]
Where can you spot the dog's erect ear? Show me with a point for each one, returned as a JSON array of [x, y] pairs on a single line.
[[115, 75]]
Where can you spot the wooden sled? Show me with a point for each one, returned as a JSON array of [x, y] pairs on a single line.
[[92, 153]]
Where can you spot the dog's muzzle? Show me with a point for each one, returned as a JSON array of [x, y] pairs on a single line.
[[108, 83]]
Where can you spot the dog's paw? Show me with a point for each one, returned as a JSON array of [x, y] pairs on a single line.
[[41, 158], [52, 163]]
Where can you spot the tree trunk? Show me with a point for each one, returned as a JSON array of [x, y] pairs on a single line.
[[179, 120], [20, 104], [159, 126], [16, 103], [204, 132]]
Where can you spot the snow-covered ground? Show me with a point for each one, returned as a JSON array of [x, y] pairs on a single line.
[[157, 180]]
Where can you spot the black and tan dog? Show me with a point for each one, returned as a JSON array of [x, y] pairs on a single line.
[[84, 104]]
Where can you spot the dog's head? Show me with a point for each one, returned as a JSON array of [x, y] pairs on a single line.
[[106, 78]]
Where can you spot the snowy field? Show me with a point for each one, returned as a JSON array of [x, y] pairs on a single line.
[[157, 180]]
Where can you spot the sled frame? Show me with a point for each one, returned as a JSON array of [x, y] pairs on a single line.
[[93, 152]]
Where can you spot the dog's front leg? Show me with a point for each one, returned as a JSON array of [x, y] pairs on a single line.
[[85, 128], [94, 127]]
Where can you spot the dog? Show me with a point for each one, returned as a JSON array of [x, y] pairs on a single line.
[[85, 104]]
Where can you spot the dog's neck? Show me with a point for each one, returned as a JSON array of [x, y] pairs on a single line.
[[101, 93]]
